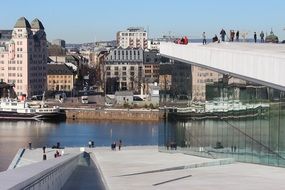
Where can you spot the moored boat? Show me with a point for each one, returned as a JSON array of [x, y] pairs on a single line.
[[21, 110]]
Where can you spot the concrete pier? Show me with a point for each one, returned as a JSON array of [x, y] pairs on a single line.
[[146, 168]]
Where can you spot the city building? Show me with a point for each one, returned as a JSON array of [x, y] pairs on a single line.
[[23, 58], [151, 66], [59, 42], [55, 50], [133, 37], [153, 44], [60, 77], [125, 66]]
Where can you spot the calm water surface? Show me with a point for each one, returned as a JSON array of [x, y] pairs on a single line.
[[15, 135]]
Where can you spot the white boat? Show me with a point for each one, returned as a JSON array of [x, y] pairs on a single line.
[[21, 110]]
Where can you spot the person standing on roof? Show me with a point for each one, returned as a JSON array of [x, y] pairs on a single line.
[[237, 36], [223, 34], [262, 37], [204, 38], [185, 40]]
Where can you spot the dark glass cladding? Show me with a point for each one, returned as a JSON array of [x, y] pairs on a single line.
[[226, 118]]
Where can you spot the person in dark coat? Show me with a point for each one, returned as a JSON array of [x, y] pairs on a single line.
[[262, 37], [215, 38], [255, 37], [223, 34], [120, 144]]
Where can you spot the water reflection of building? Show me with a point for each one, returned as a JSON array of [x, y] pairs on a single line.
[[200, 78], [175, 80], [253, 132]]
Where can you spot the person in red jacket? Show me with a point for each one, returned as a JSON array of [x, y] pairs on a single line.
[[185, 40]]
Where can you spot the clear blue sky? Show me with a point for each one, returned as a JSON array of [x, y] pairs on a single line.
[[87, 20]]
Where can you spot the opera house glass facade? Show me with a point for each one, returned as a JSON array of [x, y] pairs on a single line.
[[225, 117]]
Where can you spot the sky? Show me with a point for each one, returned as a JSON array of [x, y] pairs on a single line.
[[79, 21]]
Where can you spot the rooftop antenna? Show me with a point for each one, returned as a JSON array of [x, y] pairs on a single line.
[[148, 31], [94, 43]]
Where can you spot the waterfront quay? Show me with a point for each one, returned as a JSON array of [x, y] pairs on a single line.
[[113, 114], [142, 167]]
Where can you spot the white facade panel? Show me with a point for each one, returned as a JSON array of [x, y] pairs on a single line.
[[261, 63]]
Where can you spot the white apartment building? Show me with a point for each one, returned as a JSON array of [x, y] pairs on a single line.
[[23, 58], [126, 66], [134, 37]]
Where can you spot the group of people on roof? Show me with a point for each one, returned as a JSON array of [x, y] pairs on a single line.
[[183, 40]]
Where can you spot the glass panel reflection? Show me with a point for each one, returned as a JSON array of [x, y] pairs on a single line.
[[221, 116]]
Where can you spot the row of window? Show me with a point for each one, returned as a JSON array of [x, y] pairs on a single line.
[[19, 87], [204, 81], [133, 34], [42, 61], [37, 74], [35, 80], [12, 62], [37, 68], [12, 68], [19, 55], [60, 76], [204, 74], [38, 56], [116, 73], [19, 43], [60, 87], [59, 81]]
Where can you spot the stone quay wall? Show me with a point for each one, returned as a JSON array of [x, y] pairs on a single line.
[[120, 114]]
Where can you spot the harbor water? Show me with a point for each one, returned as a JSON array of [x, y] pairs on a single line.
[[18, 134]]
